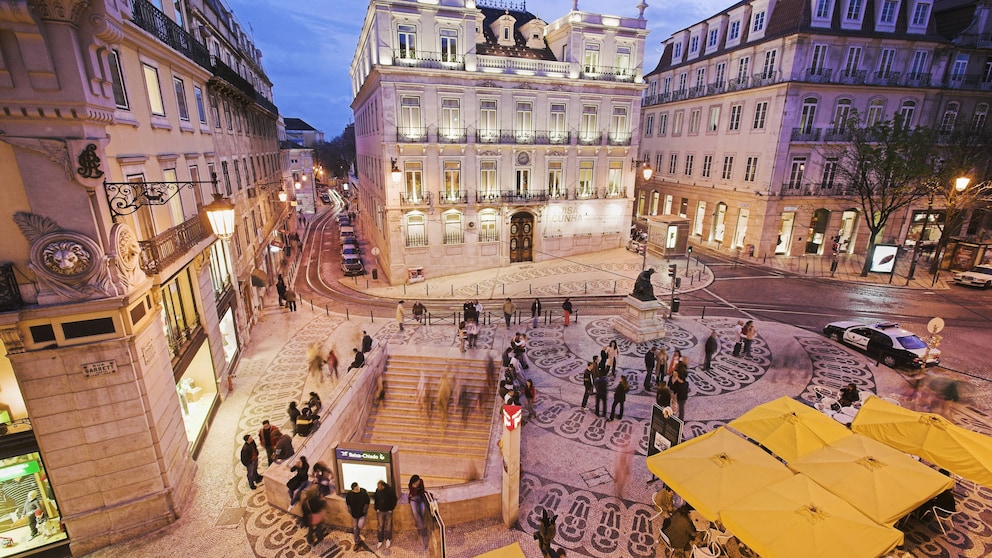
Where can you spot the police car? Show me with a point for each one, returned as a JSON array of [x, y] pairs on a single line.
[[978, 276], [886, 341]]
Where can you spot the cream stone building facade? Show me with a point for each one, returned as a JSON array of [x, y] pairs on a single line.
[[487, 137], [740, 114], [121, 313]]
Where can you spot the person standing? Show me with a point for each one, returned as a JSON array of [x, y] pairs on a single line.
[[711, 347], [619, 397], [472, 331], [611, 358], [32, 505], [294, 413], [566, 308], [588, 375], [679, 384], [291, 299], [602, 391], [508, 309], [366, 342], [385, 503], [460, 336], [400, 314], [358, 506], [535, 312], [281, 289], [749, 331], [332, 362], [249, 458], [530, 394], [739, 343], [299, 481], [649, 366], [269, 434], [418, 504], [660, 364]]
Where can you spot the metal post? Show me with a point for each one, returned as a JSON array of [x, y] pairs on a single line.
[[919, 240], [452, 289], [704, 313], [428, 288], [587, 288], [327, 311], [404, 288], [559, 288], [614, 287]]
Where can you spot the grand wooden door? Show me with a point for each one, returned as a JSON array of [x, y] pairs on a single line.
[[522, 238]]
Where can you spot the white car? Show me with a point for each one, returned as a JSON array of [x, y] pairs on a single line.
[[978, 276], [886, 341]]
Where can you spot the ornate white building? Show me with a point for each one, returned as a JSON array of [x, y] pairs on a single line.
[[741, 111], [486, 136]]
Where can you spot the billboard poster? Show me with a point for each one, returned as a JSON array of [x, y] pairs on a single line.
[[666, 431], [884, 258]]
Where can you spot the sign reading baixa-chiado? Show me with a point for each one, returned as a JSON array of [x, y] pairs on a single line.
[[359, 455]]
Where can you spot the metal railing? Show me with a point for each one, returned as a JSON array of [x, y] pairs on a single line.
[[151, 19], [806, 134], [165, 248], [608, 73], [618, 138], [523, 197], [225, 72], [411, 135], [452, 135], [436, 60], [415, 198], [458, 197], [590, 138], [815, 189]]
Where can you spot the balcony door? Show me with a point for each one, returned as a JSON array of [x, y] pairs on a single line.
[[522, 238]]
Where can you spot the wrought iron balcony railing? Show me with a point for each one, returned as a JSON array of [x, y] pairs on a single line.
[[806, 134], [151, 19], [415, 198], [173, 244], [455, 197], [524, 196], [436, 60]]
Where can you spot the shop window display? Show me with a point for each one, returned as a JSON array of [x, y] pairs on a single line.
[[29, 515], [197, 391]]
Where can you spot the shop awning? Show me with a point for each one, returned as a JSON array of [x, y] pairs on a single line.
[[259, 278]]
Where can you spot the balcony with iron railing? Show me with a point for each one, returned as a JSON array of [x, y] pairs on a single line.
[[151, 19], [523, 196], [806, 135], [795, 188], [415, 198], [452, 197], [452, 135], [612, 192], [607, 73], [488, 197], [173, 244], [411, 135], [818, 75], [618, 138], [590, 138], [226, 73], [852, 77], [435, 60]]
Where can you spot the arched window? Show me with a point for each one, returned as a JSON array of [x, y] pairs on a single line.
[[416, 229], [808, 115], [841, 114], [907, 112], [453, 231], [876, 112], [488, 225], [981, 114], [950, 117]]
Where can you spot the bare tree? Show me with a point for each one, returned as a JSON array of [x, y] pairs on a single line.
[[884, 165]]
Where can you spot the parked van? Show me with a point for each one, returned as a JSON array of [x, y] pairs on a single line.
[[347, 232]]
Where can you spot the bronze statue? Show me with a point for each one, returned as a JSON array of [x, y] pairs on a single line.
[[643, 289]]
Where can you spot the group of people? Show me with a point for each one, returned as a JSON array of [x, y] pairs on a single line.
[[746, 332], [287, 295], [670, 375], [515, 388], [596, 380], [307, 419]]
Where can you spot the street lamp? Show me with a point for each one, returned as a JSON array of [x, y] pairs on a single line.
[[646, 170], [960, 185], [923, 233], [395, 172], [283, 196], [220, 212]]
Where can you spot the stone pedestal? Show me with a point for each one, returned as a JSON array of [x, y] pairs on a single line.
[[643, 320]]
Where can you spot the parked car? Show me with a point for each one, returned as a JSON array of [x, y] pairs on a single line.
[[325, 197], [349, 249], [352, 265], [886, 341], [344, 220], [347, 232], [978, 276]]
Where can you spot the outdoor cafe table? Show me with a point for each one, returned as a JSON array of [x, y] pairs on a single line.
[[883, 483]]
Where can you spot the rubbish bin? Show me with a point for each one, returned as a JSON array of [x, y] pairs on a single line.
[[750, 250], [675, 304], [375, 274]]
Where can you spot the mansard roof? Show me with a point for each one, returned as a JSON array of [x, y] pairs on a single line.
[[492, 47]]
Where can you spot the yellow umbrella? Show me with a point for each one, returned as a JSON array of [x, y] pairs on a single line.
[[716, 469], [882, 482], [510, 551], [929, 436], [797, 517], [789, 428]]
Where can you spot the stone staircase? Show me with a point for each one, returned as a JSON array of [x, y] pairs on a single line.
[[442, 452]]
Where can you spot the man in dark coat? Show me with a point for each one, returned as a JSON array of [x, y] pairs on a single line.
[[359, 360], [358, 506], [712, 345], [249, 458], [366, 342], [269, 434], [649, 366], [602, 389], [385, 503], [619, 397]]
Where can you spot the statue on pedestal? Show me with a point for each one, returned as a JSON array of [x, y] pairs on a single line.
[[643, 289]]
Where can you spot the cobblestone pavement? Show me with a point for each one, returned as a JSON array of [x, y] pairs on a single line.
[[569, 455]]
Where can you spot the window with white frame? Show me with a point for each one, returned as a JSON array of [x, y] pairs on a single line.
[[454, 233], [522, 181], [614, 179], [694, 44], [410, 122], [743, 66], [683, 81], [662, 124], [413, 172], [590, 122], [198, 96], [700, 78], [853, 61], [697, 225], [655, 198], [759, 22], [623, 59], [214, 109], [668, 204], [689, 160], [750, 169], [117, 81], [557, 127], [760, 112], [677, 50], [842, 114], [618, 125], [920, 14], [666, 85], [797, 172], [822, 9], [707, 165], [959, 67], [488, 124], [451, 119], [950, 117], [885, 59], [876, 112], [819, 56], [452, 180], [714, 34], [735, 30], [714, 122], [416, 230], [673, 163], [906, 113], [728, 167], [488, 226], [919, 64], [694, 117], [154, 90], [524, 120], [649, 125], [829, 172], [768, 71], [585, 188], [556, 175], [677, 123], [180, 89], [721, 74], [449, 45], [591, 60], [176, 210], [808, 115], [853, 10], [488, 186], [978, 120], [888, 14], [735, 117], [407, 41], [987, 72]]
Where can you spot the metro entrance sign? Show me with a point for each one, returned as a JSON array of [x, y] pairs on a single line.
[[359, 455]]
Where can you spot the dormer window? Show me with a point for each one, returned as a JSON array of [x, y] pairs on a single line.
[[503, 29], [677, 50], [853, 10], [920, 14], [759, 21], [822, 9], [694, 45], [712, 40], [735, 30], [888, 14]]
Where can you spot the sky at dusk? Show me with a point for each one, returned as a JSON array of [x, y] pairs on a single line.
[[307, 47]]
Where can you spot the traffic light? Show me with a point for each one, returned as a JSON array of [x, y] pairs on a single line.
[[672, 270]]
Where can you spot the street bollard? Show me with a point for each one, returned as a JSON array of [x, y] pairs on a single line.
[[428, 288], [404, 288], [452, 289], [476, 289], [347, 316], [703, 316], [614, 287], [311, 305], [327, 311], [366, 283], [692, 279], [587, 288], [807, 268], [530, 289], [559, 288]]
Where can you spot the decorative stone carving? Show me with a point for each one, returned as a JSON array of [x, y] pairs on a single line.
[[15, 11], [63, 11], [105, 29], [488, 83], [126, 256], [69, 266], [56, 150], [526, 86], [89, 162], [12, 340]]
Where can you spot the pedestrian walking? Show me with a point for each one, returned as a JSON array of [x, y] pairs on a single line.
[[294, 413], [298, 482], [249, 458], [400, 314], [602, 390], [385, 503], [649, 366], [508, 309], [530, 394], [332, 362], [316, 362], [711, 347], [358, 502], [269, 435], [366, 342], [444, 391], [491, 377], [739, 343], [587, 382], [472, 332], [291, 299], [313, 507], [621, 470], [322, 478], [281, 290], [566, 308], [535, 312], [679, 384], [461, 336], [418, 311], [619, 397], [417, 495], [749, 332]]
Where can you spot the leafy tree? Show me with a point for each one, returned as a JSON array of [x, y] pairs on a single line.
[[885, 166], [338, 155]]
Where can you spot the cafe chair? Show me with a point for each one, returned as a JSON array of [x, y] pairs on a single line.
[[823, 392], [941, 515], [711, 550], [662, 503], [715, 536], [666, 541]]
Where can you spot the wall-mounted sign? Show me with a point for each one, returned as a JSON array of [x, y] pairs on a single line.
[[790, 208], [511, 416], [362, 455], [101, 368], [148, 351]]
